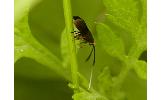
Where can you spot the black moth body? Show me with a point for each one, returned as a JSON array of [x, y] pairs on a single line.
[[84, 34]]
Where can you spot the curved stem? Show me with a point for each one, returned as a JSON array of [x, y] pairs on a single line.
[[72, 51]]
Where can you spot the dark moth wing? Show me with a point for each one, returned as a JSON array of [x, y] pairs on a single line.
[[82, 27]]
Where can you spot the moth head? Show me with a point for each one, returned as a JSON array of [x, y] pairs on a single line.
[[76, 17]]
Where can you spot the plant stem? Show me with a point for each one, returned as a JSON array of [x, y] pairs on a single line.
[[72, 51]]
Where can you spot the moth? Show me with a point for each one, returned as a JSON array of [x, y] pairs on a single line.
[[84, 35]]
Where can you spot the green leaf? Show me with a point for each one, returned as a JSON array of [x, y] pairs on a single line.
[[104, 82], [20, 48], [27, 46], [64, 48], [140, 42], [120, 22], [140, 39], [110, 42], [141, 69], [125, 12], [141, 32], [105, 86], [131, 16], [22, 7], [141, 35], [88, 96]]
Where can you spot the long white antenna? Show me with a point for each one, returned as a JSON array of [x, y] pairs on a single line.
[[90, 79]]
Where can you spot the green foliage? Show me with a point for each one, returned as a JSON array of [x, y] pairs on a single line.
[[140, 69], [88, 96], [110, 42], [45, 51], [27, 46]]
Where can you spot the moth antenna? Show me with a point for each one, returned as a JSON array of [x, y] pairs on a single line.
[[92, 68], [89, 55], [94, 58], [90, 79]]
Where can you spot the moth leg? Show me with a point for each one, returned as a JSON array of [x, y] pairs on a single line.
[[75, 32], [77, 35], [83, 44]]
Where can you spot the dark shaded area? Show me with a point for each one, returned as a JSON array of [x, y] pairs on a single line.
[[28, 89], [143, 56], [46, 21], [33, 81], [30, 68]]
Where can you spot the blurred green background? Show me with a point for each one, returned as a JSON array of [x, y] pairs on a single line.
[[34, 81]]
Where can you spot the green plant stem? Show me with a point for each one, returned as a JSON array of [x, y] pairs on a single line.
[[72, 51]]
